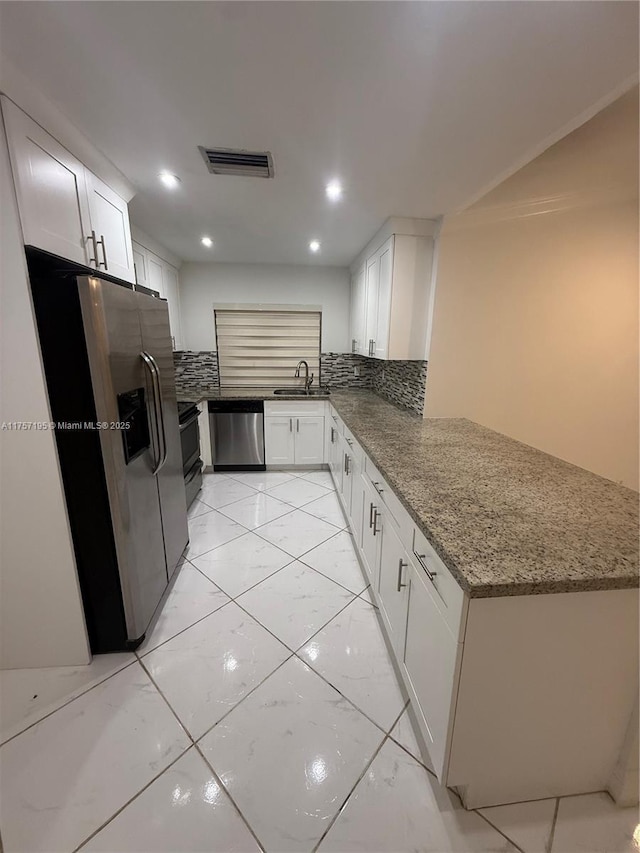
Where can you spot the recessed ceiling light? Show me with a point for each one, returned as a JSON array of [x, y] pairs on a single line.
[[170, 181], [334, 190], [207, 241], [314, 246]]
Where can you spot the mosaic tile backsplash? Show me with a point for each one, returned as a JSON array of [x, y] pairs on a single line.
[[400, 382]]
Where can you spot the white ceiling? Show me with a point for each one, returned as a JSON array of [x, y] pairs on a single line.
[[418, 107]]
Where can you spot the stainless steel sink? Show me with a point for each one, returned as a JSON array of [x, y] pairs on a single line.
[[300, 392]]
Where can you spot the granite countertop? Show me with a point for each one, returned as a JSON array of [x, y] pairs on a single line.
[[505, 518]]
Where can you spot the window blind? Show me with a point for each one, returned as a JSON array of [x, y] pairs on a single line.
[[262, 348]]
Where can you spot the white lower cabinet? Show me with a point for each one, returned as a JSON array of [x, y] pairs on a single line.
[[393, 584], [294, 433], [430, 662], [279, 443], [502, 689]]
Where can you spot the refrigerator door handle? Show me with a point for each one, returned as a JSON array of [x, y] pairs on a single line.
[[149, 364], [160, 412]]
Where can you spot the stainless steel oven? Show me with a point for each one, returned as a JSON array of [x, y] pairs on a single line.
[[188, 414]]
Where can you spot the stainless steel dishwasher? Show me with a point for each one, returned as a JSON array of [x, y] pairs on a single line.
[[237, 435]]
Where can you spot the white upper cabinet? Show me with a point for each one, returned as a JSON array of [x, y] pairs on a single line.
[[390, 296], [358, 306], [110, 229], [156, 274], [51, 189], [64, 208]]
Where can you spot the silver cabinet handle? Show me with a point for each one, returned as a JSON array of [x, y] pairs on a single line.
[[297, 424], [370, 345], [104, 253], [333, 436], [353, 344], [376, 486], [422, 558], [94, 259], [376, 516], [401, 566], [347, 466], [371, 510], [290, 424]]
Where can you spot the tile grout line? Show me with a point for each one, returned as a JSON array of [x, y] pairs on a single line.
[[129, 801], [493, 826], [194, 744], [72, 699], [350, 794], [232, 800], [549, 845], [140, 655]]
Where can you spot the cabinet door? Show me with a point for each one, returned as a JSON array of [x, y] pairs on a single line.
[[172, 295], [309, 443], [383, 316], [110, 222], [140, 264], [154, 271], [51, 189], [278, 440], [371, 298], [371, 535], [431, 664], [358, 312], [394, 583], [357, 506]]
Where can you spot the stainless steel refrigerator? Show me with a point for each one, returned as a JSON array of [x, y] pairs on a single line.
[[108, 361]]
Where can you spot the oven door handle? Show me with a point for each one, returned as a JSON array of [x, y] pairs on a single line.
[[196, 470], [190, 421]]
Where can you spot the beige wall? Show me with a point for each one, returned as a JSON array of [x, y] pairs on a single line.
[[535, 330]]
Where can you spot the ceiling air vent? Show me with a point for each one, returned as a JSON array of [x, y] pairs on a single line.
[[227, 161]]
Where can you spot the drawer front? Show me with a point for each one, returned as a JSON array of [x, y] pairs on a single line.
[[293, 408], [447, 594], [385, 494], [355, 451], [336, 421]]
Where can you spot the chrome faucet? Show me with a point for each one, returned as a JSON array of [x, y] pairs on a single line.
[[307, 380]]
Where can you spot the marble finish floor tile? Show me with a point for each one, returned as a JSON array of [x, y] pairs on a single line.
[[242, 563], [184, 809], [296, 532], [262, 480], [219, 491], [190, 597], [336, 559], [28, 695], [320, 478], [207, 669], [256, 510], [398, 806], [298, 492], [528, 825], [63, 778], [209, 530], [593, 823], [328, 509], [351, 654], [289, 754], [295, 603], [404, 735], [198, 507]]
